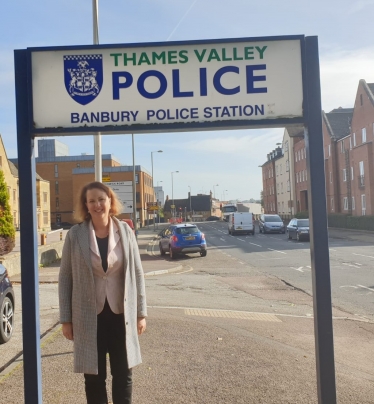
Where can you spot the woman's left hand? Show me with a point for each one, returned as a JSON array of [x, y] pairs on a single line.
[[141, 325]]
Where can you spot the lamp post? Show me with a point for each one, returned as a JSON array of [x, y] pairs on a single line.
[[153, 188], [172, 191], [214, 190], [190, 203], [158, 212], [224, 194]]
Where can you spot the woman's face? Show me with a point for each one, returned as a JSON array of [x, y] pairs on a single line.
[[98, 204]]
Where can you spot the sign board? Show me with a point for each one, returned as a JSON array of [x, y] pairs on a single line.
[[123, 189], [153, 206], [105, 177], [147, 87]]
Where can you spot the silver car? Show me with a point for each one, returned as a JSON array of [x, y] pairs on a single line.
[[271, 224]]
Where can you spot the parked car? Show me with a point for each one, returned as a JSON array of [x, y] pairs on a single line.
[[271, 224], [182, 239], [6, 306], [241, 222], [130, 223], [299, 229], [212, 218]]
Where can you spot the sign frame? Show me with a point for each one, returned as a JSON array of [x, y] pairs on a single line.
[[312, 121]]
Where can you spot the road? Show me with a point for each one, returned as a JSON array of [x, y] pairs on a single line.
[[351, 264]]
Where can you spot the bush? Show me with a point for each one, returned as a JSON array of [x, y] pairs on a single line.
[[7, 231], [351, 222], [302, 215]]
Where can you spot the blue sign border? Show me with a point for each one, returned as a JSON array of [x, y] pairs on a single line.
[[170, 127]]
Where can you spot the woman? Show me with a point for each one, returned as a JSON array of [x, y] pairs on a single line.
[[102, 295]]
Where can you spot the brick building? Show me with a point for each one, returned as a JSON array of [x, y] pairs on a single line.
[[67, 174], [269, 192]]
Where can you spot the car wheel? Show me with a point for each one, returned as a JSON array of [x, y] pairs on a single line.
[[162, 252], [289, 235], [297, 236], [6, 320], [264, 231], [203, 253], [172, 254]]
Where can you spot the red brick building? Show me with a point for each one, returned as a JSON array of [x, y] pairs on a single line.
[[269, 181]]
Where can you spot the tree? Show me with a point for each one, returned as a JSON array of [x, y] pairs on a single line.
[[7, 231]]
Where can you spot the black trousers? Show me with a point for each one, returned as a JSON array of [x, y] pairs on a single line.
[[111, 338]]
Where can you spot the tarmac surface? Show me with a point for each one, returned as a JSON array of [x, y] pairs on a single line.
[[195, 357]]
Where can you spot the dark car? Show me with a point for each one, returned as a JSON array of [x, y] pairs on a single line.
[[299, 229], [271, 224], [182, 239], [6, 306], [212, 218]]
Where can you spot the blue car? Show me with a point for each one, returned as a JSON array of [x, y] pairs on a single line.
[[182, 239], [6, 306]]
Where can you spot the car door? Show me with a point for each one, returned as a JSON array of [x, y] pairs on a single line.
[[294, 228], [165, 236]]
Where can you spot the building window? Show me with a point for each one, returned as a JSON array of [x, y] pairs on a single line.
[[56, 188], [344, 174], [14, 195], [353, 203], [350, 143], [57, 202], [354, 140], [56, 171], [329, 150], [342, 146], [363, 205], [345, 203], [297, 177], [45, 217], [269, 172], [351, 173], [272, 172], [361, 100], [332, 203], [296, 156], [302, 175], [363, 132], [78, 165], [330, 177], [45, 198]]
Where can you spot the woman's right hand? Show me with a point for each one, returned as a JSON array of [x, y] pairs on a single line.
[[67, 331]]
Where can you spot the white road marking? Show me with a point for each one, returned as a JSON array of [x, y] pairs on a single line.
[[349, 286], [263, 259], [331, 249], [367, 256], [241, 263], [365, 287], [350, 265], [309, 267], [258, 245], [240, 239], [300, 269], [222, 239], [357, 263], [281, 252]]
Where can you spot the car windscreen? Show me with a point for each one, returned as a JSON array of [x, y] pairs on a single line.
[[303, 223], [187, 230], [272, 219], [229, 209]]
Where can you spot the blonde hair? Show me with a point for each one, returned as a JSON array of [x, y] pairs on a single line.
[[81, 212]]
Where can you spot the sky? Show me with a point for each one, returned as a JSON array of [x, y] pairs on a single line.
[[226, 162]]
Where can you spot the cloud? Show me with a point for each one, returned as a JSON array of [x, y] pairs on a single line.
[[340, 73]]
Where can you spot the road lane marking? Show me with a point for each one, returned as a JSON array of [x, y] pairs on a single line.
[[232, 314], [331, 249], [350, 265], [264, 259], [365, 287], [300, 269], [281, 252], [358, 263], [309, 267], [241, 263], [240, 239], [257, 245], [367, 256]]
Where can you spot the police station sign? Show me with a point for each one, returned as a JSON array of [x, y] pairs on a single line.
[[124, 87]]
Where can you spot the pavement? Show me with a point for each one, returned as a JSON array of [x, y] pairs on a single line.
[[196, 357]]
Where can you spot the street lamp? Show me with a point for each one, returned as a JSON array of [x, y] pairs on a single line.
[[172, 190], [224, 194], [153, 188], [158, 212], [214, 190], [190, 201]]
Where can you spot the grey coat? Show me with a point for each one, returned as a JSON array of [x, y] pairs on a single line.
[[78, 297]]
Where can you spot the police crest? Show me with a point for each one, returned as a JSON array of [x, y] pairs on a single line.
[[83, 77]]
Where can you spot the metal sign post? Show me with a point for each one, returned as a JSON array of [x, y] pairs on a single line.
[[197, 85]]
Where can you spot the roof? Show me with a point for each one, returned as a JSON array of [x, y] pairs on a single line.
[[369, 88], [13, 165], [199, 203], [338, 122]]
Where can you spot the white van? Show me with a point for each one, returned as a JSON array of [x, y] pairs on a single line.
[[241, 222]]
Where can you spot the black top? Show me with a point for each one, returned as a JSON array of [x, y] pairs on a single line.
[[103, 248]]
